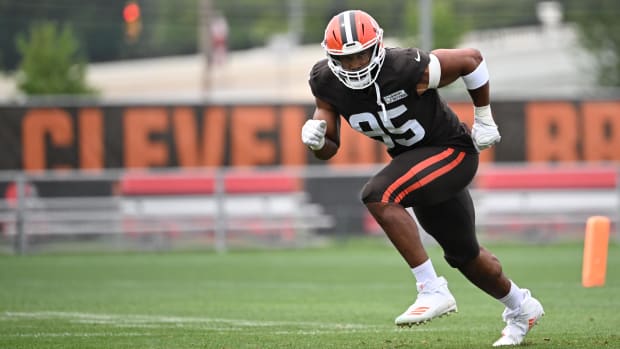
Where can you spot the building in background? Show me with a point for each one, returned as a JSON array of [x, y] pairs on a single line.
[[542, 61]]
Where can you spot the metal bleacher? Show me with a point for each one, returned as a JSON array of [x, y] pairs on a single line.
[[544, 203], [222, 209], [206, 208]]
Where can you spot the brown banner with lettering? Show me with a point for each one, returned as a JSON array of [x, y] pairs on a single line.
[[97, 137]]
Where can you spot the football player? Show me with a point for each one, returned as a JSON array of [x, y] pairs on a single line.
[[390, 95]]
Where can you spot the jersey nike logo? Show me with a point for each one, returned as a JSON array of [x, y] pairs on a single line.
[[417, 59]]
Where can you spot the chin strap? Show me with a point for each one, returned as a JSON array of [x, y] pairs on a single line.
[[384, 115]]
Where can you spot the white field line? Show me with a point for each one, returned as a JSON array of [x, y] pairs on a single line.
[[203, 323], [78, 334]]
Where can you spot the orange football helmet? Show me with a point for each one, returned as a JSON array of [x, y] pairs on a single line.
[[351, 32]]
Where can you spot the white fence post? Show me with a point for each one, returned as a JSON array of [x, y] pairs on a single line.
[[220, 218], [20, 197], [617, 224]]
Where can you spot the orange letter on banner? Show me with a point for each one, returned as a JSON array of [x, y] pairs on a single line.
[[465, 112], [185, 138], [214, 136], [190, 151], [90, 128], [138, 125], [248, 149], [601, 125], [551, 131], [36, 124], [292, 150]]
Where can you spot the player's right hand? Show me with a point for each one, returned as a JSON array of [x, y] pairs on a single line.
[[313, 134]]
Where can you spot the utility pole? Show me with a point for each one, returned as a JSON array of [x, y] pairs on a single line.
[[205, 11], [426, 24], [295, 21]]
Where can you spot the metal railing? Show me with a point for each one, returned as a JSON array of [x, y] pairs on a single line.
[[55, 206], [30, 213]]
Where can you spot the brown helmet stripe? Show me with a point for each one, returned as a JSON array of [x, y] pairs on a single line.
[[348, 32]]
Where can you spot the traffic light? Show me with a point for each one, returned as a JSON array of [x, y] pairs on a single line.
[[133, 23]]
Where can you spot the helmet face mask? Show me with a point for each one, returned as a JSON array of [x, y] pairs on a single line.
[[352, 32]]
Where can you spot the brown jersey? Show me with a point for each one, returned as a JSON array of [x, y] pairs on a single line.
[[410, 120]]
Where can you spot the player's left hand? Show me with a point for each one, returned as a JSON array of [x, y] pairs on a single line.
[[484, 132]]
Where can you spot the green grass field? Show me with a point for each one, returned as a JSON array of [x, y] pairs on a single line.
[[343, 296]]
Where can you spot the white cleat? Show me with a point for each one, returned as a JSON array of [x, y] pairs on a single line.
[[520, 321], [434, 300]]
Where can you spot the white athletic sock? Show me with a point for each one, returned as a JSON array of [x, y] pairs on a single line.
[[424, 272], [514, 297]]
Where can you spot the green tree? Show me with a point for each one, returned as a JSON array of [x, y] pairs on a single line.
[[447, 30], [51, 62], [599, 32]]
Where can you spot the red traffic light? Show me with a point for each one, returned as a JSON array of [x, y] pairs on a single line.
[[131, 12]]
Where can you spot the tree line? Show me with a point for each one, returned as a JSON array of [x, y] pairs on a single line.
[[171, 27]]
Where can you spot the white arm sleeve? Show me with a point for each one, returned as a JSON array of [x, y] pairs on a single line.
[[478, 77], [434, 71]]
